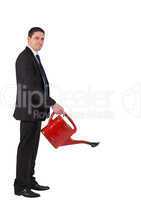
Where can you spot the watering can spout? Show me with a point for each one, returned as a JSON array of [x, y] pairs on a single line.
[[59, 132], [72, 141]]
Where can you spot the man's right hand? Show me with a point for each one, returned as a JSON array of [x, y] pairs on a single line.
[[58, 109]]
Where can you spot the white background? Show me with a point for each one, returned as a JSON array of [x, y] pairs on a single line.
[[92, 60]]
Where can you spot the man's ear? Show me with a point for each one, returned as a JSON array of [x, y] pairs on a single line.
[[28, 38]]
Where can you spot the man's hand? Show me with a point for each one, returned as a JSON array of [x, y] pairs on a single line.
[[58, 109]]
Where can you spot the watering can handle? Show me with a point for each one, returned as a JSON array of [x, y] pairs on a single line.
[[75, 128], [53, 113]]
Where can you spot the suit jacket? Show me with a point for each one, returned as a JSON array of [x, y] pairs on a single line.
[[33, 102]]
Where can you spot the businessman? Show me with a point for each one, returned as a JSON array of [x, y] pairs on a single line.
[[33, 103]]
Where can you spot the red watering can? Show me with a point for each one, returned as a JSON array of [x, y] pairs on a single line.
[[59, 132]]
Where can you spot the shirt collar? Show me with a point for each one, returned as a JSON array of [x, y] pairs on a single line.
[[34, 52]]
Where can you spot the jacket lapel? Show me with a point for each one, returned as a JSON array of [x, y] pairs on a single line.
[[36, 63], [32, 56]]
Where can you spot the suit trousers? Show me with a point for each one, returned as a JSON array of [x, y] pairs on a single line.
[[26, 154]]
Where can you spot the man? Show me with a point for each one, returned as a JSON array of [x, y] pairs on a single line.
[[33, 104]]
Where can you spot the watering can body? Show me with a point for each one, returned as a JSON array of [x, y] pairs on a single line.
[[59, 132]]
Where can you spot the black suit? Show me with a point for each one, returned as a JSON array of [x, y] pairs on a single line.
[[32, 82], [30, 88]]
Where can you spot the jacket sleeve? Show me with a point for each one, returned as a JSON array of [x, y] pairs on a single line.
[[26, 81], [51, 101]]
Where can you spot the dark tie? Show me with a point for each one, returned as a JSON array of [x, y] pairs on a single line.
[[42, 72]]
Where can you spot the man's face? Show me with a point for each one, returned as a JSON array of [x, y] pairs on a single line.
[[36, 40]]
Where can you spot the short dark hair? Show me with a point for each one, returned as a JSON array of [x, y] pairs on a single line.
[[35, 29]]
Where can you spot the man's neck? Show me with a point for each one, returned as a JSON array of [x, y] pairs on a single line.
[[34, 52]]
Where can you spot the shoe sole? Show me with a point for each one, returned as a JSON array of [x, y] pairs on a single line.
[[25, 195]]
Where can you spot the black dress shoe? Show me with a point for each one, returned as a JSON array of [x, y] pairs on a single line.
[[26, 192], [39, 187]]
